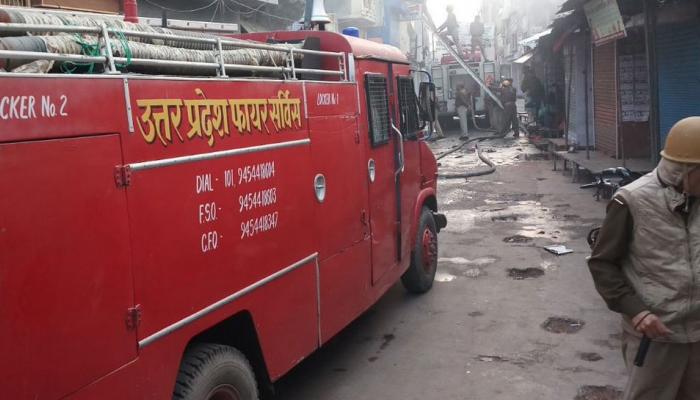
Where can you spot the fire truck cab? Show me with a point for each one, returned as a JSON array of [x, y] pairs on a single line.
[[189, 237]]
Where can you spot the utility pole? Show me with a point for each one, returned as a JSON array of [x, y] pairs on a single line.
[[650, 32]]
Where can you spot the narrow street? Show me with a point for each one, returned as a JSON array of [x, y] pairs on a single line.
[[480, 333]]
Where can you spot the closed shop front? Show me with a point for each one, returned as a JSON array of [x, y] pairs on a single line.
[[678, 58], [633, 88], [575, 73], [605, 98]]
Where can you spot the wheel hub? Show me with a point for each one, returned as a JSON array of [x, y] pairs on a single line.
[[224, 392], [429, 244]]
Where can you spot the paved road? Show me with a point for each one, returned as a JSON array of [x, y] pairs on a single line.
[[478, 334]]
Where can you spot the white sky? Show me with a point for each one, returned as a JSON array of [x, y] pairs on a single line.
[[464, 9]]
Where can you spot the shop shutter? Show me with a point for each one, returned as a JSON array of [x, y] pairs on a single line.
[[605, 98], [678, 54]]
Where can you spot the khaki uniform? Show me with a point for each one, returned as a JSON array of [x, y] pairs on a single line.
[[671, 371], [653, 263]]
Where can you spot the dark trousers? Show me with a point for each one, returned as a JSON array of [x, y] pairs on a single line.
[[511, 118]]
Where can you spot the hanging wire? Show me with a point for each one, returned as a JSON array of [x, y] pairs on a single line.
[[219, 5], [261, 12], [246, 12]]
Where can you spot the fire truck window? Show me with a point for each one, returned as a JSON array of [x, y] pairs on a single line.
[[378, 109], [408, 108]]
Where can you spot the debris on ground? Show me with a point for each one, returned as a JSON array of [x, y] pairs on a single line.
[[562, 325], [559, 250]]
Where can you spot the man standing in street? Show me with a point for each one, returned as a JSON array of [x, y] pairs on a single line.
[[646, 266], [452, 27], [508, 97], [462, 106], [476, 31]]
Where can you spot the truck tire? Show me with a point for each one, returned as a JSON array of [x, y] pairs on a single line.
[[215, 372], [420, 275]]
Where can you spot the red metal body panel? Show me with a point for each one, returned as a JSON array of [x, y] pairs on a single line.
[[382, 194], [66, 281], [53, 108], [217, 216]]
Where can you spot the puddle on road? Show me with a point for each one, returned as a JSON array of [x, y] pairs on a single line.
[[456, 195], [485, 358], [536, 156], [592, 357], [525, 273], [444, 277], [549, 266], [517, 239], [562, 325], [476, 314], [474, 273], [502, 152], [598, 393], [456, 268], [505, 218], [464, 261], [489, 201], [532, 220]]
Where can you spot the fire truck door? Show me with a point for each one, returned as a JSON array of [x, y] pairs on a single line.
[[382, 175], [65, 268]]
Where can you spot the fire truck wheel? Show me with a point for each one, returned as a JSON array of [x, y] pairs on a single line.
[[215, 372], [421, 273]]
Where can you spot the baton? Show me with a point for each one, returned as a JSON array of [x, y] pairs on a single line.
[[638, 363], [642, 351]]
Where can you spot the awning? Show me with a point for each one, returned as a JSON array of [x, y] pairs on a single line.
[[532, 40], [524, 58]]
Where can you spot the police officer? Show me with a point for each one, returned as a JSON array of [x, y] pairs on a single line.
[[508, 96], [646, 266]]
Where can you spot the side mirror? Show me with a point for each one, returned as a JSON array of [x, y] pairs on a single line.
[[427, 101]]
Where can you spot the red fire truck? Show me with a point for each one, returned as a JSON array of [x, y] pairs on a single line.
[[190, 237], [449, 75]]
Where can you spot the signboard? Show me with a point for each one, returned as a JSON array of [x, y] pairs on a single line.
[[634, 88], [605, 21], [410, 12]]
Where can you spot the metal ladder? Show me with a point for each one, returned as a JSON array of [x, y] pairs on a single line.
[[461, 62]]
